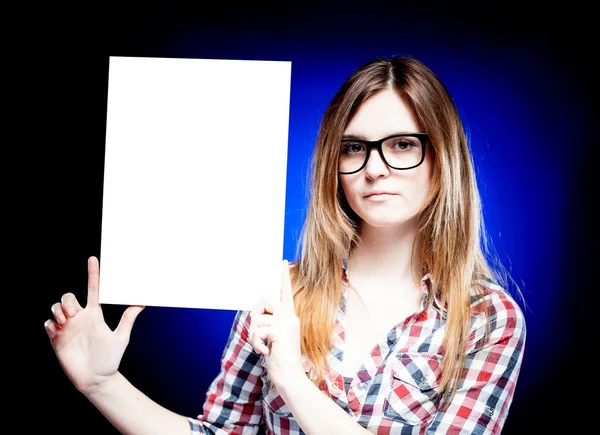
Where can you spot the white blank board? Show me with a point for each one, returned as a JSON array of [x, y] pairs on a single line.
[[194, 182]]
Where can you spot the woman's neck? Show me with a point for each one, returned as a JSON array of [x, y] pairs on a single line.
[[384, 255]]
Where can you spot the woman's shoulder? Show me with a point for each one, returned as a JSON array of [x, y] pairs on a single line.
[[490, 298], [497, 318]]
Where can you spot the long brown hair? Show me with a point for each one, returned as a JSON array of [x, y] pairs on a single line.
[[450, 243]]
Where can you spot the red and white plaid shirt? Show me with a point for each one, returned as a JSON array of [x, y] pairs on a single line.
[[392, 392]]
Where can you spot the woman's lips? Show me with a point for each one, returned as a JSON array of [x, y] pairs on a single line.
[[379, 196]]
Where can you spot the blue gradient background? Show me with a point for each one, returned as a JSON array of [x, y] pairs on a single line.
[[524, 101]]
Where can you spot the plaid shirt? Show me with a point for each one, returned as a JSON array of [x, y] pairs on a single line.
[[392, 392]]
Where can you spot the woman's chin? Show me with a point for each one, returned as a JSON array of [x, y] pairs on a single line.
[[386, 223]]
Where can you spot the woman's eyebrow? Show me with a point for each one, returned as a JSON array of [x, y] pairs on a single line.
[[353, 136]]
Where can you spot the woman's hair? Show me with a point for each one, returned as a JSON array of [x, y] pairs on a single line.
[[450, 244]]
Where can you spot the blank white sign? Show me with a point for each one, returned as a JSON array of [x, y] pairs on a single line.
[[194, 182]]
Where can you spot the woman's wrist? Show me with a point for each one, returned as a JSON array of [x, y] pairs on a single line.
[[103, 385], [294, 386]]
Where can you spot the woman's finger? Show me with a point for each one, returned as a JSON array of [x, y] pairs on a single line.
[[264, 320], [258, 322], [70, 304], [258, 340], [93, 281], [127, 320], [267, 304], [51, 328], [59, 315]]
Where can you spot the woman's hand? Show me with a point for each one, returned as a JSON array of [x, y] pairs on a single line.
[[87, 349], [276, 322]]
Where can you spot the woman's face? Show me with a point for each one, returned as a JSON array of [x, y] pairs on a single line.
[[379, 195]]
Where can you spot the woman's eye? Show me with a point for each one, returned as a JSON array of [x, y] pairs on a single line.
[[403, 144], [353, 148]]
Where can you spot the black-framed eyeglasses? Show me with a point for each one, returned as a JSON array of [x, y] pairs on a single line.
[[400, 151]]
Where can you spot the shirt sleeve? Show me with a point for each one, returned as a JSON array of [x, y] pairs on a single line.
[[234, 399], [491, 369]]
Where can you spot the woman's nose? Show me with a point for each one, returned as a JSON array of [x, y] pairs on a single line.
[[376, 166]]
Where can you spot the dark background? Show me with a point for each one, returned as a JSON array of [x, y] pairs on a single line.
[[523, 79]]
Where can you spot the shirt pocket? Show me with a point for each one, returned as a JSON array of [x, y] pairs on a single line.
[[413, 382]]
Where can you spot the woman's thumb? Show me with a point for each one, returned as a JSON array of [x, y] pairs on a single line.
[[127, 320]]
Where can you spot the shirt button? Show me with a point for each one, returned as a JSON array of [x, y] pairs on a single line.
[[491, 412]]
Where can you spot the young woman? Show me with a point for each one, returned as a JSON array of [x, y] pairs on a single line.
[[392, 321]]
